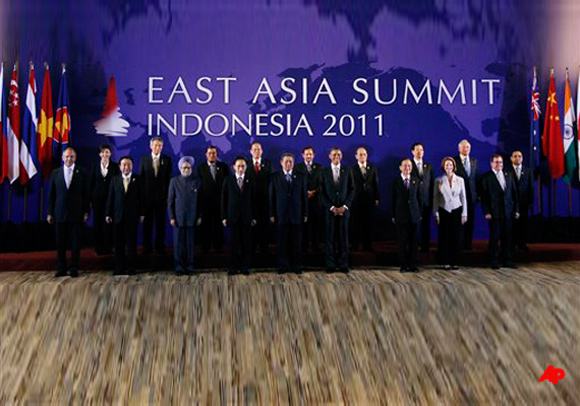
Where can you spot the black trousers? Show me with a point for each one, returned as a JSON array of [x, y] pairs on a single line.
[[183, 248], [521, 230], [212, 230], [68, 232], [467, 231], [261, 232], [407, 235], [241, 245], [337, 240], [361, 226], [103, 232], [313, 229], [449, 236], [425, 226], [126, 246], [155, 215], [500, 230], [289, 245]]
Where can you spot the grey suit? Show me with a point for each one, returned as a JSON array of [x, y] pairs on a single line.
[[182, 207]]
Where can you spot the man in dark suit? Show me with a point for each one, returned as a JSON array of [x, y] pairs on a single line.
[[467, 169], [99, 183], [524, 180], [68, 207], [405, 204], [337, 193], [238, 213], [182, 204], [259, 169], [423, 172], [155, 171], [500, 205], [289, 210], [125, 210], [366, 198], [212, 174], [313, 229]]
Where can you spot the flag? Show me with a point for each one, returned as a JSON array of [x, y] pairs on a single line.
[[578, 120], [535, 123], [62, 119], [28, 152], [112, 124], [45, 128], [552, 142], [569, 133], [13, 126], [3, 130]]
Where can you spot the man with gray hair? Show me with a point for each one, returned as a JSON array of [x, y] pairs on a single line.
[[467, 169], [68, 207], [155, 173], [183, 215]]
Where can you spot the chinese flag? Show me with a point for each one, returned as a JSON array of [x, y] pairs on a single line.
[[552, 141]]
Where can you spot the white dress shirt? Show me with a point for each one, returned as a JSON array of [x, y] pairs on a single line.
[[449, 197], [68, 174]]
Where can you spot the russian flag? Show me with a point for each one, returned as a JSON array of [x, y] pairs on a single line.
[[13, 127], [28, 152], [62, 119]]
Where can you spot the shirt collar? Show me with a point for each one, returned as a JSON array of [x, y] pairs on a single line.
[[335, 166], [106, 167], [288, 173], [72, 167], [239, 176], [259, 161], [405, 177], [418, 163], [362, 165], [127, 176], [155, 156]]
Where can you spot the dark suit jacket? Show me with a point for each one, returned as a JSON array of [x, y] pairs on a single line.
[[125, 207], [405, 202], [70, 204], [261, 181], [288, 201], [471, 180], [497, 202], [313, 178], [182, 200], [524, 186], [426, 182], [331, 195], [210, 193], [238, 206], [99, 185], [366, 188], [155, 188]]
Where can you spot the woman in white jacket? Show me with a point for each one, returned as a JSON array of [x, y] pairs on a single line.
[[450, 211]]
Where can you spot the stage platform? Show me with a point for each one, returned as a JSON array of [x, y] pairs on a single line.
[[384, 255]]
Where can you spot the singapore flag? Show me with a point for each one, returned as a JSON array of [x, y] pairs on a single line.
[[112, 124]]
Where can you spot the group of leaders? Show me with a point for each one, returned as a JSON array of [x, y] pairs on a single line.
[[301, 200]]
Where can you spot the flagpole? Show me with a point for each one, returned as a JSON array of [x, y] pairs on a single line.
[[25, 203], [9, 201]]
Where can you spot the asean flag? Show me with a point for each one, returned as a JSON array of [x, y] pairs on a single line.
[[62, 119]]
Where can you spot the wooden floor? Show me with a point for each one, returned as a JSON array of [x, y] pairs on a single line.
[[475, 336]]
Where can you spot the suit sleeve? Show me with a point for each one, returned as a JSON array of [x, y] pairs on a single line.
[[225, 200], [272, 198], [52, 194], [431, 184], [394, 199], [485, 196], [437, 197], [86, 195], [111, 199], [515, 196], [323, 195], [349, 190], [304, 191], [530, 192], [171, 200], [92, 183], [376, 185]]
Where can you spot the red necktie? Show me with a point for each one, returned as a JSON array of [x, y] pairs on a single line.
[[257, 167]]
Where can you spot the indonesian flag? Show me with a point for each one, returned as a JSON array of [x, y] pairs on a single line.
[[112, 124], [3, 130], [45, 128], [552, 142], [28, 141], [13, 129], [570, 135]]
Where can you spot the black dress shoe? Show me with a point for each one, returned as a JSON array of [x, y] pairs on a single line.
[[131, 272], [414, 269], [331, 269], [232, 271], [344, 269], [245, 271], [297, 270], [494, 266], [454, 268], [511, 265], [403, 269], [179, 272], [74, 274], [60, 274], [282, 271]]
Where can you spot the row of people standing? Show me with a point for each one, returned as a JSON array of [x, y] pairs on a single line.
[[340, 192]]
